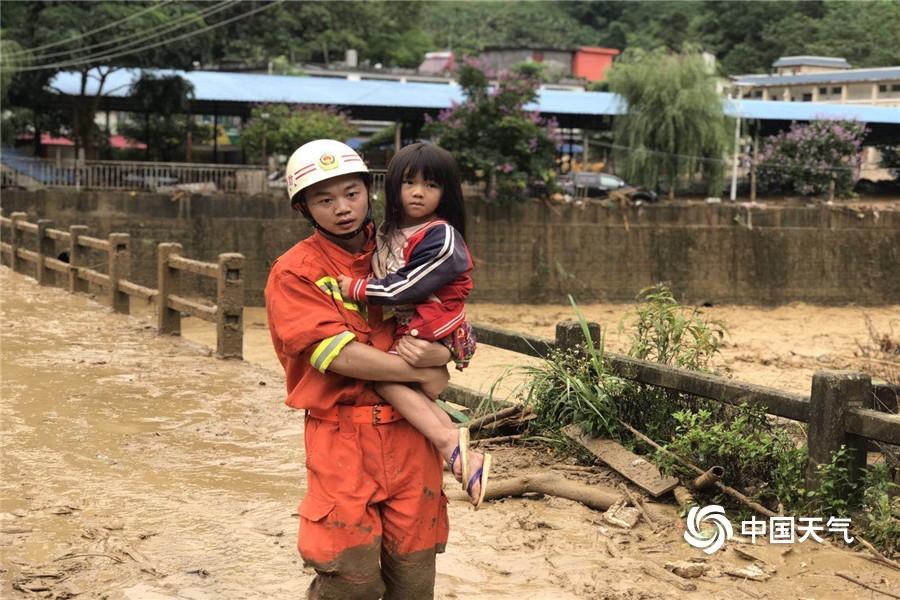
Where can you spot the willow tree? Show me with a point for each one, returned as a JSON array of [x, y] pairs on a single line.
[[674, 131]]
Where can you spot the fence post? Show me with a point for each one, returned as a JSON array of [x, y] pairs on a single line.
[[230, 307], [15, 239], [833, 394], [119, 268], [569, 334], [167, 279], [77, 259], [46, 247]]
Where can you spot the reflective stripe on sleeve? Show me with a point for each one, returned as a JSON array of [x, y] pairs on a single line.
[[329, 348]]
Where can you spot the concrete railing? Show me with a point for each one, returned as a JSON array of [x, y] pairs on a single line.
[[226, 313], [29, 172], [840, 409]]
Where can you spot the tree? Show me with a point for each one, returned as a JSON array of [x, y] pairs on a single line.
[[494, 139], [807, 158], [281, 129], [94, 39], [674, 130], [468, 27], [163, 124]]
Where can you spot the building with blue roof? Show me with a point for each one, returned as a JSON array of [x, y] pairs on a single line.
[[225, 94], [822, 79]]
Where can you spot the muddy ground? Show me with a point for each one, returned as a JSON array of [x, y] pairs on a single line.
[[140, 467]]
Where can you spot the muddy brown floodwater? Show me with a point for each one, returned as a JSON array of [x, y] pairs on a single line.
[[140, 467]]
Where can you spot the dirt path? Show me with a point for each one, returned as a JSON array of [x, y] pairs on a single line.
[[140, 467]]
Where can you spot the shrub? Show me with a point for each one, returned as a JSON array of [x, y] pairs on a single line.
[[758, 458], [805, 159]]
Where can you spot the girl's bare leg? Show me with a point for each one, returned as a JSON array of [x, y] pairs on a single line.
[[432, 422]]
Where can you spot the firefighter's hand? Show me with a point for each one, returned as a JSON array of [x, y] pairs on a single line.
[[435, 381], [344, 282], [422, 353]]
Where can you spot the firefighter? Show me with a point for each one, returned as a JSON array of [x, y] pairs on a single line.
[[374, 514]]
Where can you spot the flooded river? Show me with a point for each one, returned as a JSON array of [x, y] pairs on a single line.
[[140, 467]]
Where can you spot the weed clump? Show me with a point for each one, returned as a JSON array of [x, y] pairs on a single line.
[[761, 457]]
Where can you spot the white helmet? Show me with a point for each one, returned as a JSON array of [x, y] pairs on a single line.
[[320, 160]]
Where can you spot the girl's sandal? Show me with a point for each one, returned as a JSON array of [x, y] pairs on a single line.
[[452, 461], [463, 448], [481, 475]]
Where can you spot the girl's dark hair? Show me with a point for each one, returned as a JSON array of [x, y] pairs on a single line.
[[434, 164]]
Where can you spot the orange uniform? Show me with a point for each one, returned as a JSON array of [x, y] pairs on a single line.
[[374, 514]]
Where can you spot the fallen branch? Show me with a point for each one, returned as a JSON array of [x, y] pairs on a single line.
[[71, 556], [727, 489], [639, 505], [670, 578], [575, 468], [553, 485], [476, 424], [878, 556], [849, 577], [498, 439]]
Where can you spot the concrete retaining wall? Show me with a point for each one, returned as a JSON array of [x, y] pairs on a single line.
[[541, 253]]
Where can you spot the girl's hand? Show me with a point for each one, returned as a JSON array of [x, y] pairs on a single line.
[[435, 382], [344, 282], [421, 353]]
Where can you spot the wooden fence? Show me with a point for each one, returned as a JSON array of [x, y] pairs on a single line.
[[840, 409], [226, 313]]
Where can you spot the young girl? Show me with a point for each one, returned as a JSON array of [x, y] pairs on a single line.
[[421, 269]]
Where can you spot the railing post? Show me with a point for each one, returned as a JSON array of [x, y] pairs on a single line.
[[15, 238], [833, 394], [230, 307], [46, 247], [119, 268], [569, 334], [168, 320], [77, 259]]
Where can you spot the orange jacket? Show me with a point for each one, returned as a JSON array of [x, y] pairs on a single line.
[[311, 322]]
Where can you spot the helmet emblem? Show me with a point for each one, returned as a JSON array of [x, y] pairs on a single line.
[[327, 162]]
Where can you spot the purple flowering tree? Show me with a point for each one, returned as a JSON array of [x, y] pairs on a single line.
[[494, 139], [805, 159]]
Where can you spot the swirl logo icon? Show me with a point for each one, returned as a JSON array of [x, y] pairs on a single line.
[[708, 540]]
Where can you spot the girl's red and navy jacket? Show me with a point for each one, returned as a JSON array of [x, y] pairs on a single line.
[[436, 279]]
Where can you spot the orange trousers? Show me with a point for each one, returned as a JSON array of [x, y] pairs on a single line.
[[374, 515]]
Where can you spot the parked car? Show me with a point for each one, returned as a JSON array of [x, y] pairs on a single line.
[[602, 185]]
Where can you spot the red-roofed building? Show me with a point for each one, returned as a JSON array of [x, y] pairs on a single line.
[[592, 62]]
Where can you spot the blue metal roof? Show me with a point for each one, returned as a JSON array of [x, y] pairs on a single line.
[[852, 76], [814, 61], [810, 111], [255, 88]]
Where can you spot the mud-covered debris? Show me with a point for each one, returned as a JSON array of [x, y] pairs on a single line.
[[622, 516], [16, 530], [687, 569], [748, 555], [752, 572], [63, 510], [199, 572]]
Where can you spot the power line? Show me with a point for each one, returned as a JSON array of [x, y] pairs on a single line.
[[92, 32], [145, 35], [87, 60], [722, 161]]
